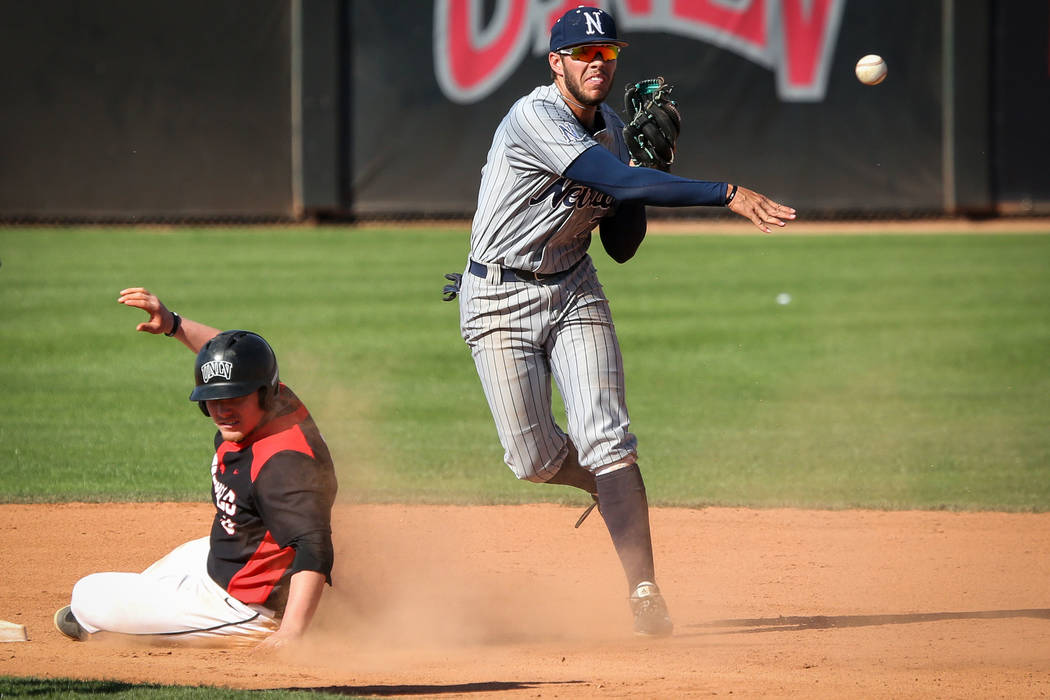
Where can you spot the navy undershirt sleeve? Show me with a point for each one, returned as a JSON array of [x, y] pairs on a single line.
[[622, 232], [601, 170]]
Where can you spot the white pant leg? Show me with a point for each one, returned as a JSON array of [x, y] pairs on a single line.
[[174, 599]]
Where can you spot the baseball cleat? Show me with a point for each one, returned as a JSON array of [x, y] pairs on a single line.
[[68, 625], [650, 611]]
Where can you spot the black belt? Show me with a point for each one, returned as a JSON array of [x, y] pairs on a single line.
[[509, 274]]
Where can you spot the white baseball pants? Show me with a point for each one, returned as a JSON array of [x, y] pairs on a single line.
[[174, 601]]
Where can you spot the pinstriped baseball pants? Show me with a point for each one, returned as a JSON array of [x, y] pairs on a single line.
[[523, 333]]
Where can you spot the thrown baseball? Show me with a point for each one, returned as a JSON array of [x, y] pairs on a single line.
[[871, 69]]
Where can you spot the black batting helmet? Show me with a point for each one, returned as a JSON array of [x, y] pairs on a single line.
[[232, 364]]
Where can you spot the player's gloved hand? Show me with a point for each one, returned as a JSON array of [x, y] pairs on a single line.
[[653, 123], [451, 291]]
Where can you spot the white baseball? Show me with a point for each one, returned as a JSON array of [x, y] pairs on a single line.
[[871, 69]]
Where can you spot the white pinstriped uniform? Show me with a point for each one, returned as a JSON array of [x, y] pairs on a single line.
[[531, 218]]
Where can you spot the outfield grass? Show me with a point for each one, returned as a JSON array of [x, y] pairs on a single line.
[[906, 371], [69, 689]]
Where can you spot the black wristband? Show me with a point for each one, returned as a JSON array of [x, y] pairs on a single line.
[[175, 323], [729, 197]]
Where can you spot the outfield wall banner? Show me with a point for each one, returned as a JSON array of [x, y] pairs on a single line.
[[766, 88], [125, 109], [1020, 106], [275, 109]]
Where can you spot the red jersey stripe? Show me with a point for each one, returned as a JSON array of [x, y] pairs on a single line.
[[290, 439], [256, 579]]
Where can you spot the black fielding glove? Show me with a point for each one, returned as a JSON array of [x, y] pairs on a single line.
[[653, 123]]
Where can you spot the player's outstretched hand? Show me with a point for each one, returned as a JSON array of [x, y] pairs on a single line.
[[160, 319], [760, 209], [275, 642]]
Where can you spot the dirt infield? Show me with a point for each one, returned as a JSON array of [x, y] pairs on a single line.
[[512, 602]]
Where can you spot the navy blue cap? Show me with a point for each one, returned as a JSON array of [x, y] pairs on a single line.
[[584, 25]]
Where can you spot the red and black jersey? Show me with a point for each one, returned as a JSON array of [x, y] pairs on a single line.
[[273, 497]]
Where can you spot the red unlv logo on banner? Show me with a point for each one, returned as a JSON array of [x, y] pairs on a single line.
[[793, 38]]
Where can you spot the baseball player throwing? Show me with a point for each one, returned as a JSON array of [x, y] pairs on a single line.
[[531, 305], [258, 578]]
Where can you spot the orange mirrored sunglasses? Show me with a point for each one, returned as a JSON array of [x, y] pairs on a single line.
[[588, 53]]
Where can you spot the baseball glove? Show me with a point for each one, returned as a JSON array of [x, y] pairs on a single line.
[[653, 123]]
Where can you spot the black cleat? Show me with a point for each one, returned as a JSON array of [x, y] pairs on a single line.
[[68, 625], [650, 611]]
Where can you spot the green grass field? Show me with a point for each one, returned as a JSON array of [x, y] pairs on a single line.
[[907, 371], [69, 689]]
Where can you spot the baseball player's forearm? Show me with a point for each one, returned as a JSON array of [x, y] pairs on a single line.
[[163, 320], [193, 334], [304, 593], [601, 170]]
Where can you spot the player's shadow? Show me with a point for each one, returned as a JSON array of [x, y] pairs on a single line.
[[434, 689], [823, 622]]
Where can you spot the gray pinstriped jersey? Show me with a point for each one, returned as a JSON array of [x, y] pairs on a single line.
[[529, 216]]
